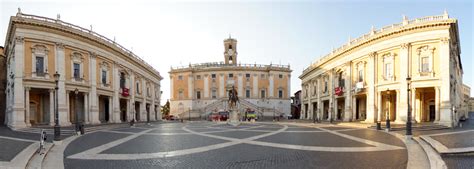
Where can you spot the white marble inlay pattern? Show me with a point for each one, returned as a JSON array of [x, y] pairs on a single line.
[[94, 153]]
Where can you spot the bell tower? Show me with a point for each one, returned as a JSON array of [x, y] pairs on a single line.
[[230, 53]]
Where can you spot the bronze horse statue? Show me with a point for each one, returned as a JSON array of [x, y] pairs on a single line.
[[233, 98]]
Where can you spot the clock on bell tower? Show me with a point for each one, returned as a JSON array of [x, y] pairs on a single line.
[[230, 53]]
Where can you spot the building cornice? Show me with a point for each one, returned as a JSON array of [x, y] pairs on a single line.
[[375, 35], [68, 28]]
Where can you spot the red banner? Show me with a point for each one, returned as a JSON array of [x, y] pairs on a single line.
[[338, 91], [125, 92]]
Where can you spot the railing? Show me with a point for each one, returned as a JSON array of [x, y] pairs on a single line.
[[222, 64], [85, 31], [371, 34]]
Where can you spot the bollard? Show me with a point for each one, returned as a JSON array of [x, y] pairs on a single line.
[[81, 127]]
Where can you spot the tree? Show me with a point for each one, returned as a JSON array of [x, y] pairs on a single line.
[[165, 109]]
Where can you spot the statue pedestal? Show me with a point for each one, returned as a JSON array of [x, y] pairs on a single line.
[[234, 119]]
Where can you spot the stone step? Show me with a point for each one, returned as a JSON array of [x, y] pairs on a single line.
[[418, 127]]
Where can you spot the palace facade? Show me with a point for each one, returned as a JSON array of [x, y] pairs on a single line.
[[370, 78], [100, 81], [199, 89]]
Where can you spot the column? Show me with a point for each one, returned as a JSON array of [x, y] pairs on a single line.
[[270, 88], [86, 109], [402, 104], [398, 117], [67, 114], [379, 106], [51, 107], [111, 110], [93, 98], [413, 105], [206, 86], [354, 108], [437, 115], [18, 110], [27, 106]]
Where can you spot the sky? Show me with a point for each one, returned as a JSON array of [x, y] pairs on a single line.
[[297, 32]]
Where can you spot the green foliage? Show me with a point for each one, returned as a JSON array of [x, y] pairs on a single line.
[[166, 108]]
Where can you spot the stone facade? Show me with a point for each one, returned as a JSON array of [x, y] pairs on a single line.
[[3, 83], [100, 81], [198, 89], [366, 79]]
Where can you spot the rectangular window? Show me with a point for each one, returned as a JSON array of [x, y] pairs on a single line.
[[280, 76], [198, 77], [247, 93], [214, 94], [361, 76], [262, 94], [325, 85], [180, 94], [122, 80], [262, 76], [341, 80], [198, 95], [213, 76], [180, 77], [138, 87], [39, 66], [425, 64], [247, 75], [104, 77], [231, 75], [388, 70], [77, 71], [280, 94]]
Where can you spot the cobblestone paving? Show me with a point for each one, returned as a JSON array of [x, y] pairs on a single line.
[[217, 145]]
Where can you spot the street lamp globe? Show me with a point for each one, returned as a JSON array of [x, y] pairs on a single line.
[[56, 76], [76, 91]]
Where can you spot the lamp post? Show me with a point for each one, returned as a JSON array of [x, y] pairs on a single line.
[[408, 128], [189, 114], [387, 118], [314, 115], [57, 128], [76, 92]]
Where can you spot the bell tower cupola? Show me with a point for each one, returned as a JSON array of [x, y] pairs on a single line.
[[230, 53]]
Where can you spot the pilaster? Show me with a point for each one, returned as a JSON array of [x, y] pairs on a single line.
[[93, 97], [370, 83], [18, 109], [348, 98]]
